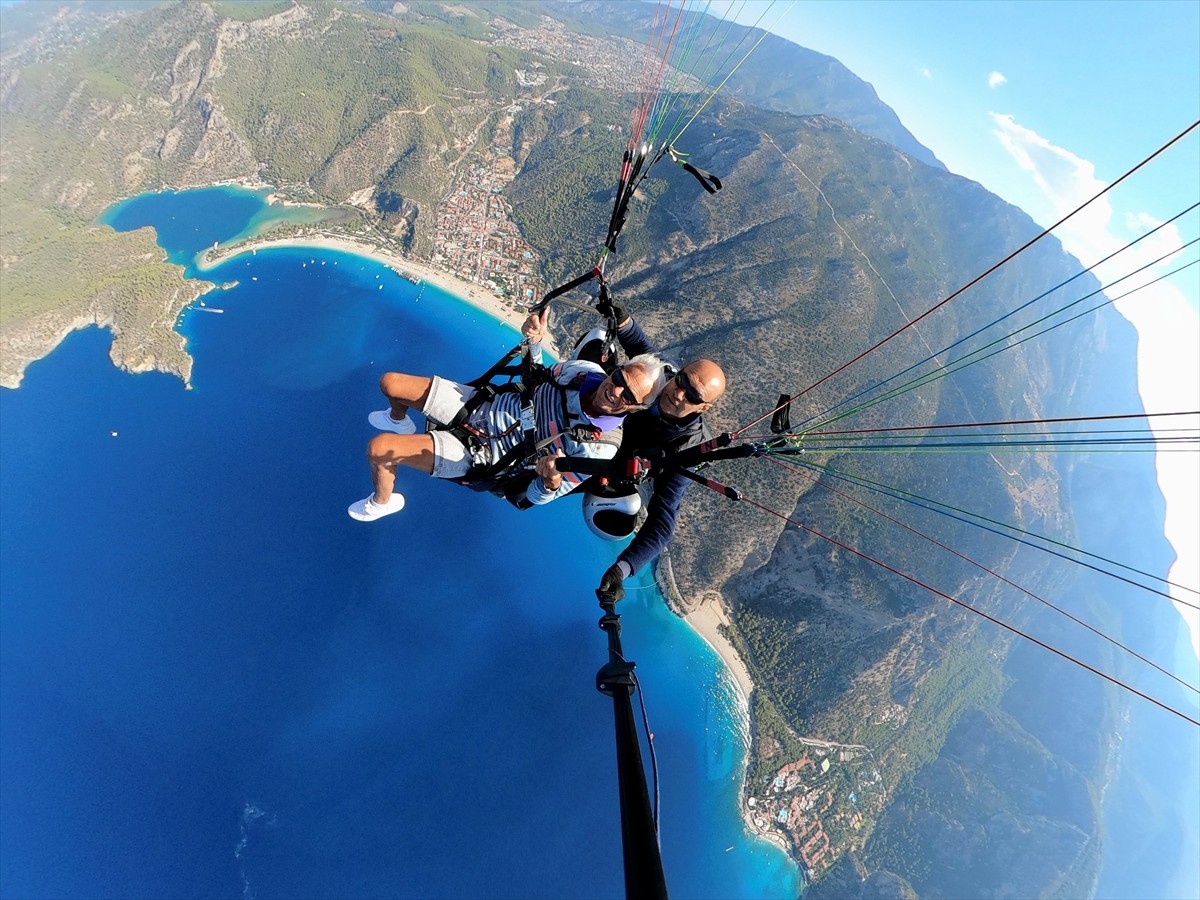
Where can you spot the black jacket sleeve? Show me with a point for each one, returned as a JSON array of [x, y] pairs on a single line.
[[633, 339], [656, 532]]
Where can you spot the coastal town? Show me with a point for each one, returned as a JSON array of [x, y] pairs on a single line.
[[475, 237], [816, 806]]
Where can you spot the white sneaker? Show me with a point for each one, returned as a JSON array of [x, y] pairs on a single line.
[[367, 510], [382, 420]]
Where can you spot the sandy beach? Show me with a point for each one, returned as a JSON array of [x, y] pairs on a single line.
[[705, 620], [479, 297]]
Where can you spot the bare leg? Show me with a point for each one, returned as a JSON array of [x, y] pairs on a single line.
[[386, 451], [403, 391]]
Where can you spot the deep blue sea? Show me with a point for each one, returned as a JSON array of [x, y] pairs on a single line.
[[213, 682]]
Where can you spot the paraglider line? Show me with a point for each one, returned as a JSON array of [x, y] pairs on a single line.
[[974, 356], [730, 74], [986, 273], [1010, 628], [797, 470], [941, 509], [1044, 421], [943, 445], [933, 356]]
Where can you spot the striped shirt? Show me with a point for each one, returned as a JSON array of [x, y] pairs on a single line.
[[499, 420]]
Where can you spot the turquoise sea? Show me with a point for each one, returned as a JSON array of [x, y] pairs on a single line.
[[214, 683]]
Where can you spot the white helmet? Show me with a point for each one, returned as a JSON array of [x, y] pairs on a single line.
[[597, 346], [612, 512]]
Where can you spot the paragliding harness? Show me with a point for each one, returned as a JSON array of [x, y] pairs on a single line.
[[600, 344], [510, 476], [609, 515]]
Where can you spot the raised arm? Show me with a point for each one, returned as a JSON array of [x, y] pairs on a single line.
[[633, 340], [534, 330], [658, 529]]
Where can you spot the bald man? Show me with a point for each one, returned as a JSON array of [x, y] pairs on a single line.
[[675, 421]]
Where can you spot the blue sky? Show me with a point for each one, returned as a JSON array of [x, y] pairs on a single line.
[[1044, 103], [1074, 84], [1107, 81]]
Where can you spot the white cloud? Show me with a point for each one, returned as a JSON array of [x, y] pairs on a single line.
[[1163, 241], [1168, 328], [1065, 181], [926, 72], [996, 79]]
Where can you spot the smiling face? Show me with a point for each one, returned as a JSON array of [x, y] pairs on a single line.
[[626, 389], [693, 390]]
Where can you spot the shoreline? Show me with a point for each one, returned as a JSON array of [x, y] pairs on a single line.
[[705, 619], [460, 288]]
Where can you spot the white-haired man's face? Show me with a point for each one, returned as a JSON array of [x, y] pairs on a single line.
[[625, 390]]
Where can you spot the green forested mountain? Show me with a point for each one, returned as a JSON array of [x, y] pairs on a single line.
[[325, 99], [834, 229]]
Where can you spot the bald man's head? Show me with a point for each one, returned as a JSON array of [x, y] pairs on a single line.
[[696, 387]]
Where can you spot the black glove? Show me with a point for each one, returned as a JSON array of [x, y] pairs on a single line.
[[612, 309], [612, 584]]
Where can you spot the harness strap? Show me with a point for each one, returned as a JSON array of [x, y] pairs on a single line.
[[611, 326], [569, 286], [631, 168], [516, 460], [475, 439], [781, 421], [501, 367], [482, 394]]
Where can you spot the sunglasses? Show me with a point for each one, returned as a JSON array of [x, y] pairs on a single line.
[[618, 378], [689, 390]]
